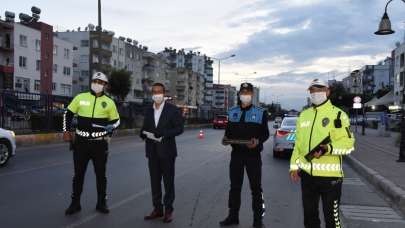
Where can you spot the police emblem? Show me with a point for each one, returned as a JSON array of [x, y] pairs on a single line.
[[325, 122], [104, 104]]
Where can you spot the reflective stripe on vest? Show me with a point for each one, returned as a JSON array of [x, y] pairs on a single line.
[[342, 151], [328, 167], [92, 134]]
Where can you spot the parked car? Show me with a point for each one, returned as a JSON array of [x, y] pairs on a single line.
[[284, 138], [220, 121], [7, 146], [278, 120]]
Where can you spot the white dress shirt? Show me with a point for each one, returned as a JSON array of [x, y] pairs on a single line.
[[157, 112]]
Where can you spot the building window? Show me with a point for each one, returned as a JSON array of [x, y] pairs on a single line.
[[85, 73], [114, 49], [53, 86], [95, 44], [37, 45], [55, 49], [23, 41], [84, 58], [38, 65], [66, 71], [84, 88], [37, 85], [84, 43], [23, 62], [66, 53], [121, 51], [55, 68], [402, 63], [66, 89]]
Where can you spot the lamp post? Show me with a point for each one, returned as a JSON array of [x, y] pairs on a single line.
[[219, 65], [385, 29]]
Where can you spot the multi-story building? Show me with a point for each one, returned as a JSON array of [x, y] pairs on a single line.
[[33, 60], [224, 98], [89, 56], [375, 77], [399, 73], [256, 96], [7, 52], [353, 82]]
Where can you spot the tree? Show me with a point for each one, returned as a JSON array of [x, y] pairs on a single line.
[[120, 84]]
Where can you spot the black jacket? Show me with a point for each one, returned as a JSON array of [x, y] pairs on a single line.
[[171, 124], [247, 123]]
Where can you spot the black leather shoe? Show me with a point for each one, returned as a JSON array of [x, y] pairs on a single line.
[[102, 208], [230, 221], [155, 214], [73, 208], [258, 223]]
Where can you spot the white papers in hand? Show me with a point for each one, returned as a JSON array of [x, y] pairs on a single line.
[[150, 135]]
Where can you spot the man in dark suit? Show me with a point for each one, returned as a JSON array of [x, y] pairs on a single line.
[[162, 123]]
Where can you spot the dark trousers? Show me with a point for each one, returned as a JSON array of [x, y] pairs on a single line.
[[162, 168], [83, 152], [315, 188], [253, 165]]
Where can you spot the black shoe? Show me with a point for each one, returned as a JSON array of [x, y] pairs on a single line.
[[258, 223], [230, 221], [102, 208], [73, 208]]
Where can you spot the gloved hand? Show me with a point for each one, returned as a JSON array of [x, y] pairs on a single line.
[[109, 128]]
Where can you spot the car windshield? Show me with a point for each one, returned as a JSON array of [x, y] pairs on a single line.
[[221, 117], [289, 122]]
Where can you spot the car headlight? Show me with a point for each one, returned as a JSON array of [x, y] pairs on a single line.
[[12, 133]]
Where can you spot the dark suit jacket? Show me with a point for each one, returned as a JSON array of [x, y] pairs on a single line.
[[171, 124]]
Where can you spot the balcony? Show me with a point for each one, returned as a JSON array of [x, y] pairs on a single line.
[[7, 69]]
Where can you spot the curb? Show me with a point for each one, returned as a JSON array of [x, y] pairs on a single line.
[[395, 193], [48, 138]]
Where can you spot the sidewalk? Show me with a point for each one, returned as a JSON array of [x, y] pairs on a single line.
[[375, 158]]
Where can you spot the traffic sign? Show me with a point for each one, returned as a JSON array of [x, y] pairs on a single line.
[[357, 99]]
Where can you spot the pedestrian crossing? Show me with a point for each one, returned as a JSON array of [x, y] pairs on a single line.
[[371, 214]]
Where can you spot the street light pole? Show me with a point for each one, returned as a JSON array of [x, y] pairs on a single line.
[[385, 29], [219, 65]]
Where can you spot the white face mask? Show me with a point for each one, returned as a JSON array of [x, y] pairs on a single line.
[[158, 98], [97, 88], [246, 99], [318, 98]]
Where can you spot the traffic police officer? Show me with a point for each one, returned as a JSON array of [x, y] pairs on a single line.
[[246, 122], [97, 117], [323, 138]]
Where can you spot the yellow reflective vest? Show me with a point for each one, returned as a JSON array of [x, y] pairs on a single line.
[[313, 126]]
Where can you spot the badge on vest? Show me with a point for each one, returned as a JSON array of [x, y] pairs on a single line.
[[104, 104], [325, 122]]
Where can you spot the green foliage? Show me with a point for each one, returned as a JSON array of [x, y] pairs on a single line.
[[120, 84]]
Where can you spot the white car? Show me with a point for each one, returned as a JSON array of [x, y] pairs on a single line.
[[7, 146]]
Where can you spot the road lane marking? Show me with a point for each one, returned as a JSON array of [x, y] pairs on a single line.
[[141, 193], [371, 214]]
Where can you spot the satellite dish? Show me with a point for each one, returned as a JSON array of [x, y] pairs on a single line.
[[121, 38], [129, 40], [135, 42], [91, 27]]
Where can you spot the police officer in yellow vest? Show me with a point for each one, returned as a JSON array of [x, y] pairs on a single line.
[[323, 139], [97, 117]]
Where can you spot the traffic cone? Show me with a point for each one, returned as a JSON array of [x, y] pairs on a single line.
[[201, 134]]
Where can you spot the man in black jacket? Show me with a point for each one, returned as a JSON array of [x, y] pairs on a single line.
[[162, 123], [246, 122]]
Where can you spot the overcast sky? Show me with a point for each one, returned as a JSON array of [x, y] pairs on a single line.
[[286, 42]]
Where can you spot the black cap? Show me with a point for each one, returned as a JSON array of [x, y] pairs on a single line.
[[246, 86]]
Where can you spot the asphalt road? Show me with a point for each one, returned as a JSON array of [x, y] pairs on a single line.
[[35, 189]]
